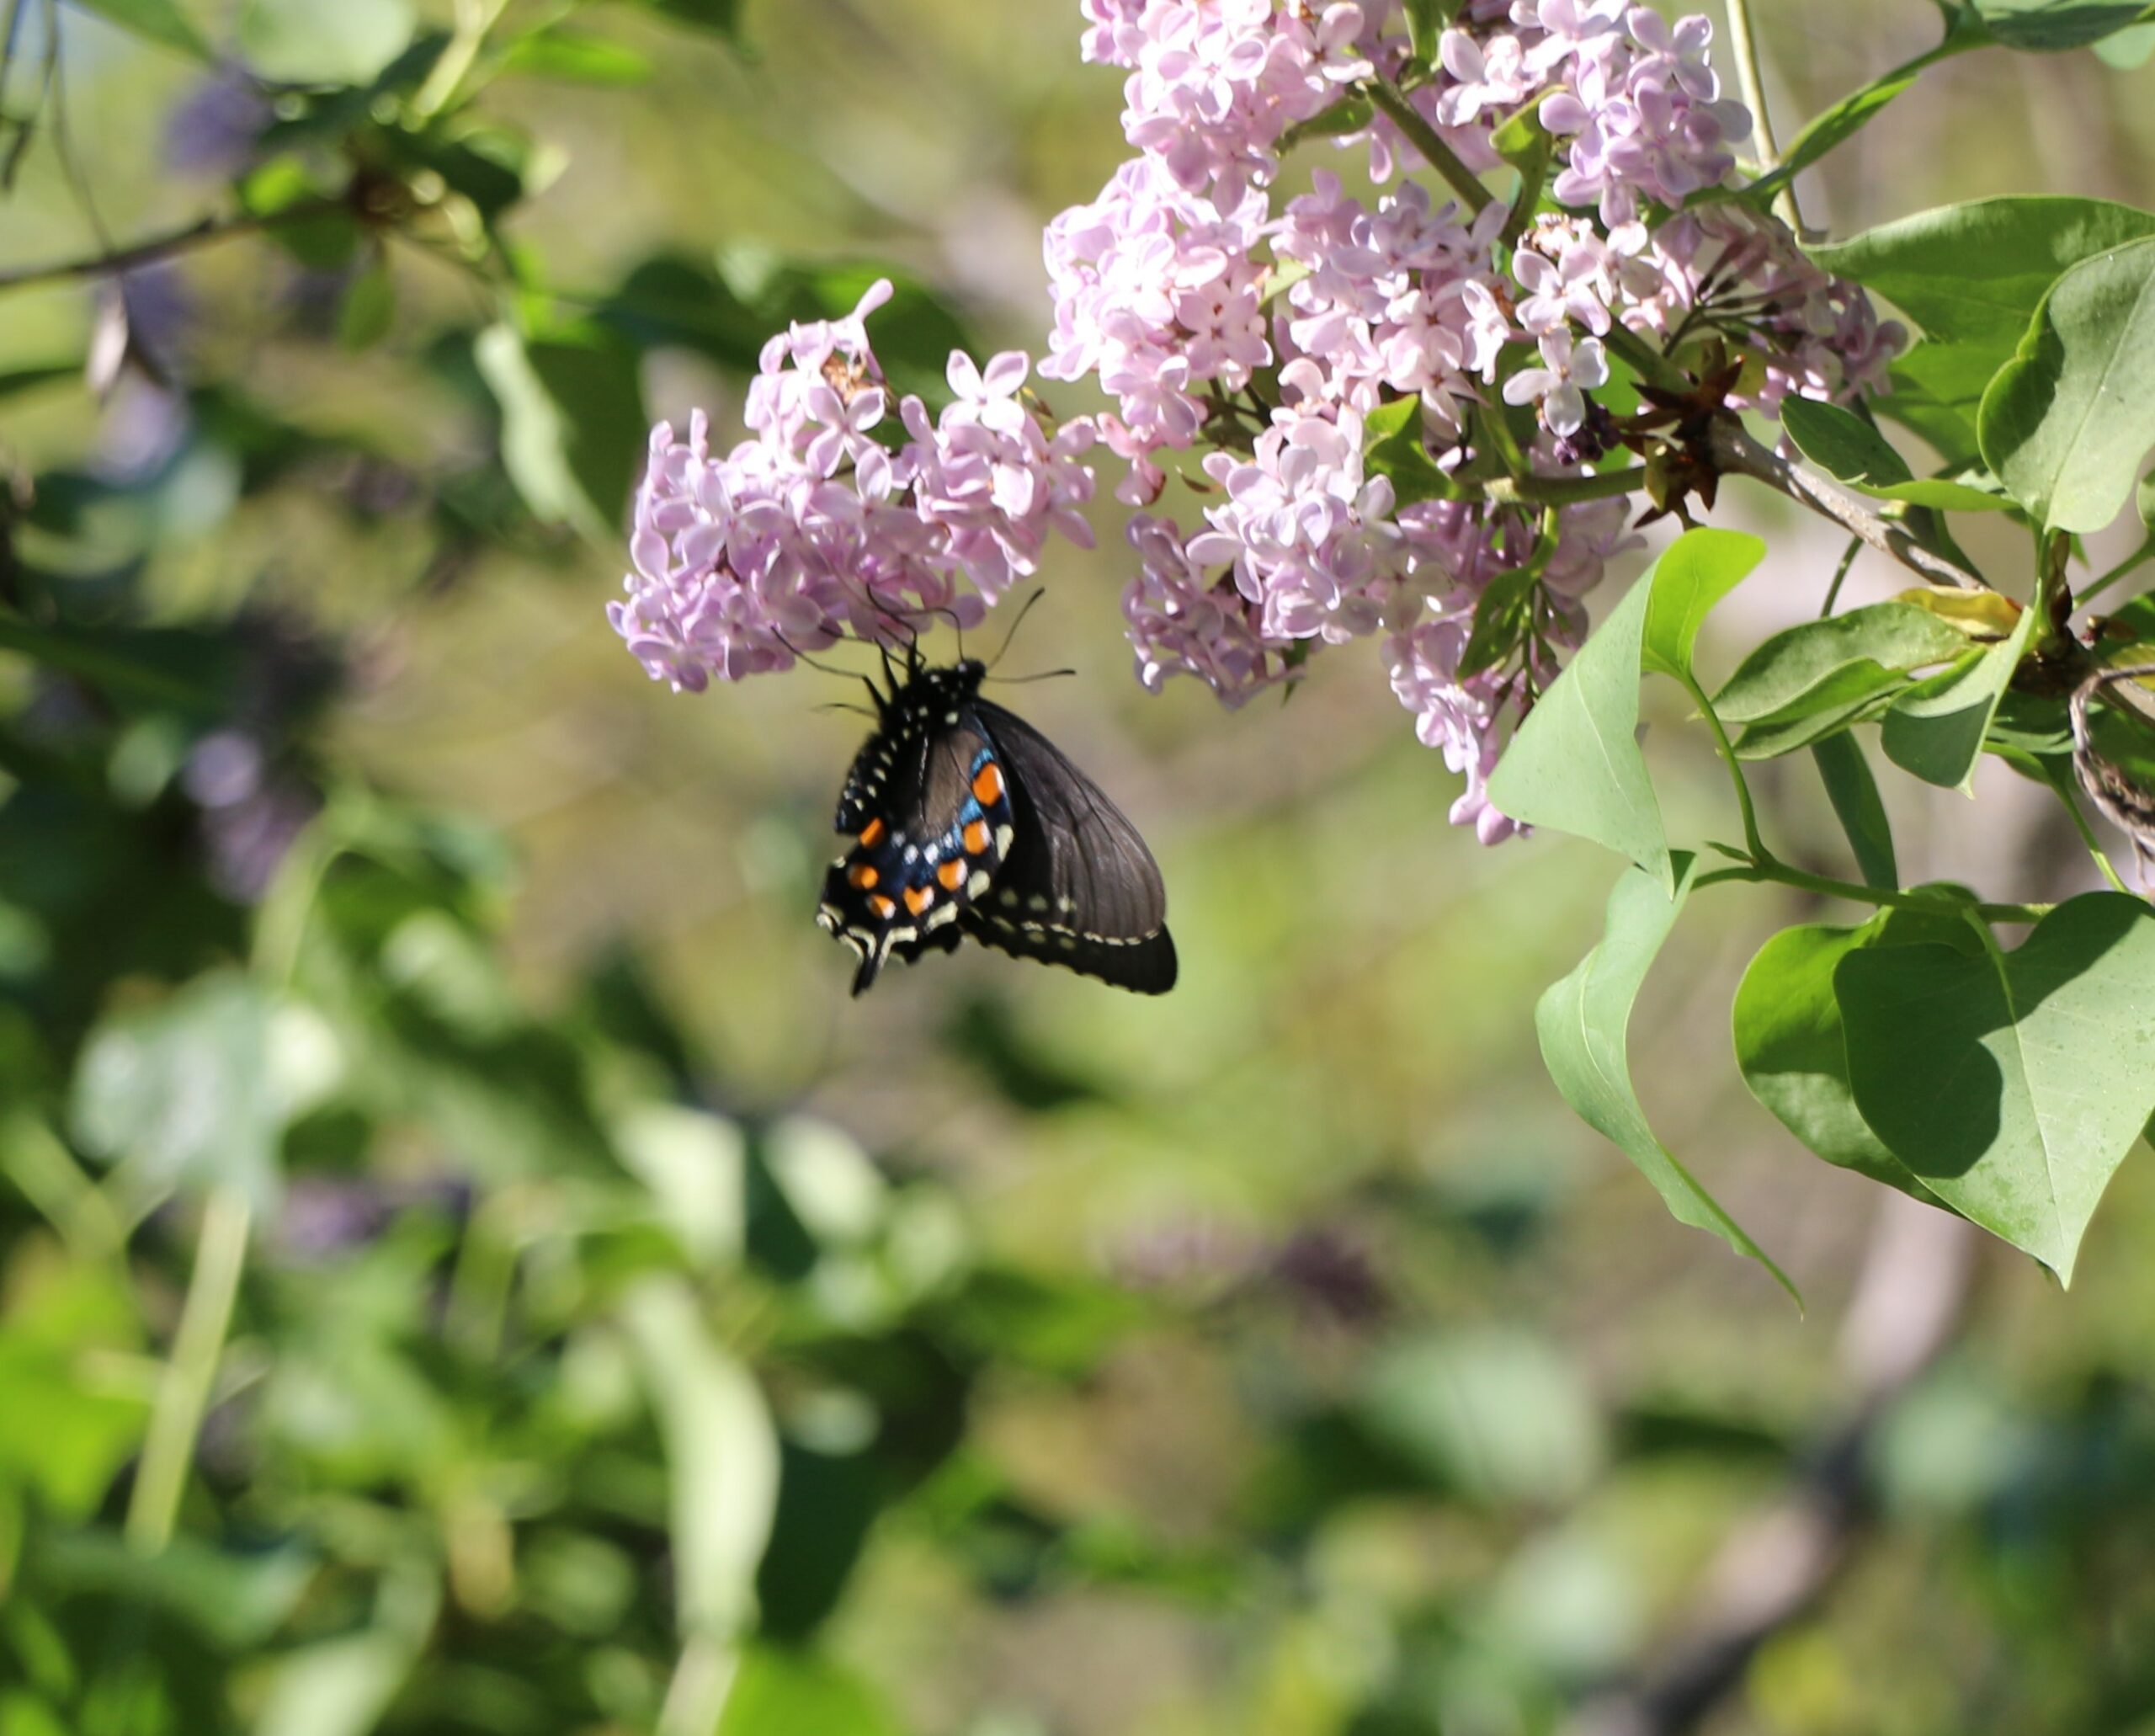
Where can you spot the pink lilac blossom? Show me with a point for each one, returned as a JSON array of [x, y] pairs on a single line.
[[1183, 622], [813, 529], [1214, 85], [1157, 293]]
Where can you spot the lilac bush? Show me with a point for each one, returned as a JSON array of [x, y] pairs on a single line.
[[1245, 337]]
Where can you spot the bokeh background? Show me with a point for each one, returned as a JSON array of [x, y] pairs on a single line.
[[417, 1060]]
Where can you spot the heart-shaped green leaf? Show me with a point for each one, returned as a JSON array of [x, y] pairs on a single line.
[[1575, 764], [2068, 421], [1583, 1023], [1792, 1048], [2011, 1085]]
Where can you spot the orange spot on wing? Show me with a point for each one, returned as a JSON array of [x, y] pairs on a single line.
[[862, 876], [976, 836], [873, 833], [919, 898], [952, 874], [884, 907], [987, 784]]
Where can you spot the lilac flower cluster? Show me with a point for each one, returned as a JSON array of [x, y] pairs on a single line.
[[1259, 335], [814, 529], [1273, 363]]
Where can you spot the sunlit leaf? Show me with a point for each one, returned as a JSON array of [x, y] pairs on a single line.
[[572, 422], [1584, 1023], [1792, 1049], [2012, 1083], [2068, 422], [1493, 1414], [722, 1454], [304, 42], [1935, 730], [1821, 665], [159, 21]]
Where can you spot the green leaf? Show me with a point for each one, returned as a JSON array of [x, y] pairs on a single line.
[[190, 1092], [1935, 730], [1831, 128], [2012, 1084], [576, 58], [59, 1438], [1821, 665], [1854, 696], [1491, 1413], [1846, 446], [2050, 26], [1841, 443], [159, 21], [338, 1687], [1698, 570], [1393, 447], [306, 42], [1845, 771], [1575, 764], [2127, 50], [370, 306], [783, 1692], [1792, 1048], [572, 422], [2067, 422], [721, 1455], [1583, 1024], [1975, 273], [721, 18], [1937, 390], [22, 379]]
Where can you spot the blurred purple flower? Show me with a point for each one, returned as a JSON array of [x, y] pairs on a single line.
[[214, 131]]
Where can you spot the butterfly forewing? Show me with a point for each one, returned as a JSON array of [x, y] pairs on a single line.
[[1080, 887]]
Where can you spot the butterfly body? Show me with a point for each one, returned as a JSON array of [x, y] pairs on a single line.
[[964, 820]]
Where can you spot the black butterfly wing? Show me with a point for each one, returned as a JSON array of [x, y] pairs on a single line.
[[1078, 887], [931, 818]]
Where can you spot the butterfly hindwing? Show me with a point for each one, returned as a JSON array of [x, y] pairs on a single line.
[[929, 811], [1080, 887]]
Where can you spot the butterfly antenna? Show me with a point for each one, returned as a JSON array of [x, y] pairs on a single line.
[[822, 669], [857, 710], [1039, 591], [1028, 680]]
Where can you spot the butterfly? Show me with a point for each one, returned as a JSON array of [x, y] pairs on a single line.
[[965, 820]]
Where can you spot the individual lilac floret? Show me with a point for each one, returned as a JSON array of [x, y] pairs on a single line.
[[1569, 371], [813, 529]]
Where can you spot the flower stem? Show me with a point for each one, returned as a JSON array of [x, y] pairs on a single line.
[[2131, 563], [1753, 841], [183, 1394], [201, 234], [1735, 453], [1779, 873], [1648, 363], [1392, 102], [1564, 491], [1743, 40]]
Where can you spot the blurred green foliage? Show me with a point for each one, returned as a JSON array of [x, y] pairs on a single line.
[[464, 1267]]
